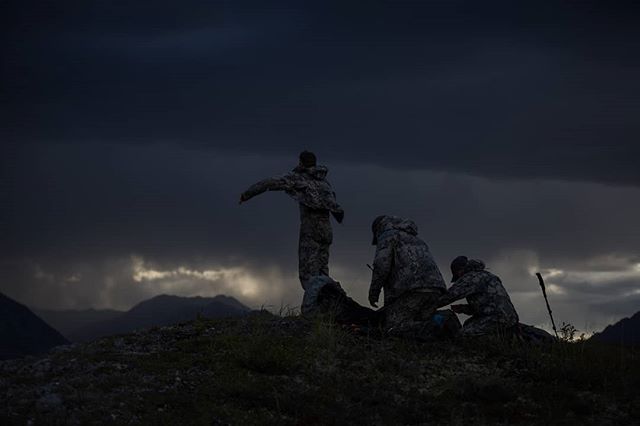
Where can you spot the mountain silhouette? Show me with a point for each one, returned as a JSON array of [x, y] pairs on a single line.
[[72, 322], [22, 332], [625, 332], [157, 311]]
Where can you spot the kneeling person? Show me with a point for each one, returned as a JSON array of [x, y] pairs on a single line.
[[488, 305], [405, 269]]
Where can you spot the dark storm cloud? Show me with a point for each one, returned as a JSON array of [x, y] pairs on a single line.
[[90, 212], [129, 130], [102, 199], [113, 198], [497, 88], [613, 309]]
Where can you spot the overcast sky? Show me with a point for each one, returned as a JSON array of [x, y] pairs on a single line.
[[509, 131]]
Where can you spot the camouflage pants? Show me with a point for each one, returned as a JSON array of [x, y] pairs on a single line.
[[313, 259], [485, 325], [409, 308]]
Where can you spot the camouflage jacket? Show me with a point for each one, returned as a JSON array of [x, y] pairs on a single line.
[[402, 262], [308, 186], [485, 294]]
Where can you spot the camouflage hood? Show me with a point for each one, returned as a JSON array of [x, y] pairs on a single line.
[[385, 224], [403, 262], [310, 187], [474, 265], [315, 172]]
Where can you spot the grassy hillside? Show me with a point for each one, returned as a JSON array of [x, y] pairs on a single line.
[[266, 369]]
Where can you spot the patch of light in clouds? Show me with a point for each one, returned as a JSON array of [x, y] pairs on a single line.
[[74, 278], [548, 273], [234, 280], [575, 289], [593, 277]]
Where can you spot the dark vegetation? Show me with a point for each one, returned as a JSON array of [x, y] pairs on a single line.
[[266, 369]]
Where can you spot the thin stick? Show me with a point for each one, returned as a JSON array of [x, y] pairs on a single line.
[[544, 293]]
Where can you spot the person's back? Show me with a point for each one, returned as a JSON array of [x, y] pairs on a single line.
[[414, 268], [316, 199], [492, 298], [316, 224], [403, 261], [488, 302]]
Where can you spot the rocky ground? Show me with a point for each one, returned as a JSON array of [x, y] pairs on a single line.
[[266, 369]]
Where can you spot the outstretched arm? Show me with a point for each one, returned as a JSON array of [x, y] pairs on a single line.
[[270, 184], [381, 270], [465, 286]]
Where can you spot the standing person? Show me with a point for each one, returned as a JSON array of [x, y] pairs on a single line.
[[405, 269], [307, 185], [488, 302]]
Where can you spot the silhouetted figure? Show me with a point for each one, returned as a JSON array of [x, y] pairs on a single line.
[[405, 269], [488, 305], [307, 184]]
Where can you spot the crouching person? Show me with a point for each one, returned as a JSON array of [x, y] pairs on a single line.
[[405, 269], [488, 303]]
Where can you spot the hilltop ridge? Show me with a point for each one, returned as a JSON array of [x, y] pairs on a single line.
[[267, 369]]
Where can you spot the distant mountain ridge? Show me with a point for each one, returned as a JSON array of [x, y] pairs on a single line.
[[625, 332], [79, 326], [23, 333], [71, 322]]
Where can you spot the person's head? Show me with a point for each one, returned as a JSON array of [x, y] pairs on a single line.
[[374, 228], [458, 266], [307, 159]]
